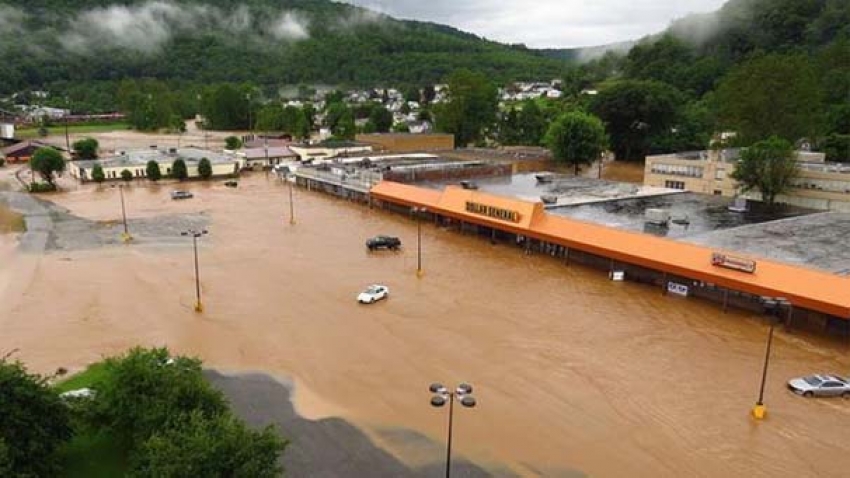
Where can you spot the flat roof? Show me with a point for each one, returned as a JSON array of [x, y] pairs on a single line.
[[808, 288], [140, 158]]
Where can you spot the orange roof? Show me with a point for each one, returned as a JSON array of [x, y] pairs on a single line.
[[812, 289]]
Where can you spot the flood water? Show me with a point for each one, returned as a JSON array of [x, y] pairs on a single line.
[[571, 371]]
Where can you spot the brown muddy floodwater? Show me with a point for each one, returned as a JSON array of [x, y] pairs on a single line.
[[571, 370]]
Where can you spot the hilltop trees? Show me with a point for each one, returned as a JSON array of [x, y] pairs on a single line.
[[767, 166], [471, 107], [772, 95], [634, 111], [380, 120], [576, 138]]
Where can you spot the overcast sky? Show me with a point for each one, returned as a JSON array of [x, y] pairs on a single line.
[[548, 23]]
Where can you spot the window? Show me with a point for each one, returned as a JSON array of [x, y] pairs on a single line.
[[718, 192], [674, 185], [720, 174]]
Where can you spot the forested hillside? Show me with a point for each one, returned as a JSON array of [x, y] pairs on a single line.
[[755, 67], [262, 41]]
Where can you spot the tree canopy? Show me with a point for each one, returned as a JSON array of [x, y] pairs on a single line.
[[47, 162], [576, 138], [34, 423], [768, 166], [178, 170], [470, 109], [86, 148]]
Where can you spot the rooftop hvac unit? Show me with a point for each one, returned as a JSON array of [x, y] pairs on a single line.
[[657, 216]]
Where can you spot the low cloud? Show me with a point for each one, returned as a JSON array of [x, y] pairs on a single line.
[[11, 20], [290, 26], [146, 28]]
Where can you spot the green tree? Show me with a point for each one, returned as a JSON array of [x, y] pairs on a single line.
[[634, 111], [225, 107], [146, 391], [340, 119], [576, 138], [97, 173], [178, 170], [470, 109], [47, 162], [204, 168], [126, 175], [232, 143], [203, 445], [380, 119], [152, 171], [772, 95], [768, 166], [86, 148], [532, 123], [34, 423]]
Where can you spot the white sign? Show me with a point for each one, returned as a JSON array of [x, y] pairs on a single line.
[[678, 289], [618, 275]]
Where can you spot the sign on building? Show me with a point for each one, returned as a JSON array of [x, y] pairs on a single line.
[[732, 262], [492, 211], [678, 289]]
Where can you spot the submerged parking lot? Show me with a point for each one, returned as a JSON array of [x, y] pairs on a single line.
[[572, 372]]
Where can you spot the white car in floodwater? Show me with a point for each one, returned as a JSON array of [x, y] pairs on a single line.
[[373, 293], [821, 386]]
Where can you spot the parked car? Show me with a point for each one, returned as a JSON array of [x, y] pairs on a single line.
[[231, 184], [373, 293], [820, 385], [181, 194], [383, 242]]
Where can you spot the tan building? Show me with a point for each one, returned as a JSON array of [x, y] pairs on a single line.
[[408, 142], [820, 185], [136, 162]]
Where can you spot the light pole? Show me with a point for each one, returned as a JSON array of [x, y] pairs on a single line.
[[418, 211], [65, 116], [195, 235], [441, 395], [291, 200], [126, 237], [773, 309]]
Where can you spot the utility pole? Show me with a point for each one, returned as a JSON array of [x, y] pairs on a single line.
[[195, 235]]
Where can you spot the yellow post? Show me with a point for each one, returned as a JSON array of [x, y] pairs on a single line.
[[199, 307], [126, 237], [759, 412]]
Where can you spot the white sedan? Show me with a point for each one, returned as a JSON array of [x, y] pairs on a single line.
[[373, 293]]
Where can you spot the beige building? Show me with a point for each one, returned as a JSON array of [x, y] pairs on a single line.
[[329, 149], [820, 185], [408, 142], [136, 162]]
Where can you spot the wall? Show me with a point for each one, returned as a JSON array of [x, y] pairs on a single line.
[[407, 142], [476, 171]]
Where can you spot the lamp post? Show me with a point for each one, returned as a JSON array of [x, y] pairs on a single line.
[[418, 211], [773, 309], [291, 201], [463, 394], [126, 237], [195, 235]]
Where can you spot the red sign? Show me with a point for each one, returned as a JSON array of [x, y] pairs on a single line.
[[731, 262]]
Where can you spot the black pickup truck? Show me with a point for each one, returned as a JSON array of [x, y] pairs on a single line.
[[383, 242]]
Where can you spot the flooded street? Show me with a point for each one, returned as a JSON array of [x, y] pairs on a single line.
[[571, 371]]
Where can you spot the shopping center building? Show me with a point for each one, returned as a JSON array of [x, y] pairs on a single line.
[[811, 298]]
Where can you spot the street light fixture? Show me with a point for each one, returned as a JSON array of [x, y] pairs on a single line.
[[418, 212], [291, 199], [195, 235], [773, 309], [126, 237], [463, 394]]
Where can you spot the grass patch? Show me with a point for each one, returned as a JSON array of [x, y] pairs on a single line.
[[92, 374], [58, 130], [10, 221]]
